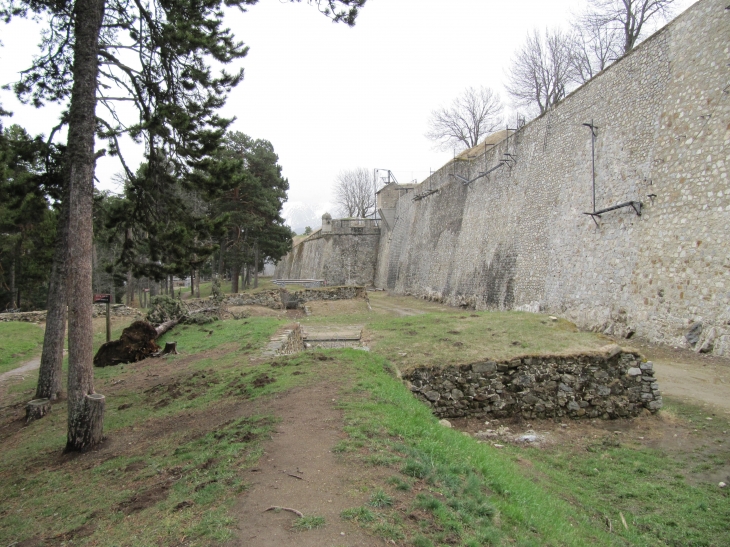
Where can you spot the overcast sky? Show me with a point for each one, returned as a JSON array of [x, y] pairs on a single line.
[[330, 97]]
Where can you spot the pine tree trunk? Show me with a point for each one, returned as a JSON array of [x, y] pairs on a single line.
[[220, 260], [49, 374], [17, 273], [85, 408], [12, 283], [130, 290], [235, 273], [197, 283], [256, 265]]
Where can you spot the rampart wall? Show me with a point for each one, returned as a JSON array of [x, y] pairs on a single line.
[[345, 254], [518, 238]]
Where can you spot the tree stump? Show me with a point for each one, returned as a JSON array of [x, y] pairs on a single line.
[[95, 403], [36, 409], [170, 347], [88, 431]]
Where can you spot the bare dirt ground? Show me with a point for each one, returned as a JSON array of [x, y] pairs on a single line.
[[299, 471]]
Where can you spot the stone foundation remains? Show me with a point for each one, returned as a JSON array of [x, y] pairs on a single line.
[[286, 342], [617, 384]]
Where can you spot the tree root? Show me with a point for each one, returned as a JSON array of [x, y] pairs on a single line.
[[277, 508]]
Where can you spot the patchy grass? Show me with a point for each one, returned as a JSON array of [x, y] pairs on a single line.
[[177, 450], [656, 493], [448, 488], [454, 337], [309, 523], [19, 342], [182, 435]]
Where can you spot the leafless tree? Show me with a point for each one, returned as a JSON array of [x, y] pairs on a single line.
[[593, 46], [630, 17], [476, 113], [355, 192], [541, 71]]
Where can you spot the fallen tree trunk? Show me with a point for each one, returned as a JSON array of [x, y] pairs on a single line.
[[166, 326]]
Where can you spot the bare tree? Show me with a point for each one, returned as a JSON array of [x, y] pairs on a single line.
[[630, 17], [355, 192], [593, 46], [476, 113], [541, 71]]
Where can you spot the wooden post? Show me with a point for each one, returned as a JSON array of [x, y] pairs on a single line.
[[108, 321]]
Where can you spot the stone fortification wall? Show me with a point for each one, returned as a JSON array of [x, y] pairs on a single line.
[[344, 256], [518, 238], [615, 385]]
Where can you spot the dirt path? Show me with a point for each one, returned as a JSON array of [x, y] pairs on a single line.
[[299, 471], [19, 373]]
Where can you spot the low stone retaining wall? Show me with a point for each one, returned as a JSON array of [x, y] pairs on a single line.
[[268, 299], [117, 310], [330, 293], [272, 298], [26, 316], [617, 384], [286, 342]]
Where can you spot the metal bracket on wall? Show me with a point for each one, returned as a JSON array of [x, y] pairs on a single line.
[[464, 181], [636, 205], [427, 193]]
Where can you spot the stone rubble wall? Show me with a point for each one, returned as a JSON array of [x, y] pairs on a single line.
[[116, 310], [272, 298], [615, 385], [518, 238]]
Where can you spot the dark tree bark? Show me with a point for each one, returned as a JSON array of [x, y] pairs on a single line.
[[235, 274], [85, 408], [13, 304], [130, 290], [256, 265], [49, 375], [220, 260]]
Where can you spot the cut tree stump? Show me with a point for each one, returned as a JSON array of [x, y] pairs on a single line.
[[36, 409], [95, 403], [170, 349]]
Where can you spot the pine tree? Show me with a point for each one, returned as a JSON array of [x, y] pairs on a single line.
[[177, 95]]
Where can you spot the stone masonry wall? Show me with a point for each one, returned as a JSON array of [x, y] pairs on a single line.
[[338, 258], [272, 298], [615, 385], [116, 310], [285, 342], [518, 238]]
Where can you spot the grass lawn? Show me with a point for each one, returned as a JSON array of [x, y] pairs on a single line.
[[19, 342], [183, 432]]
